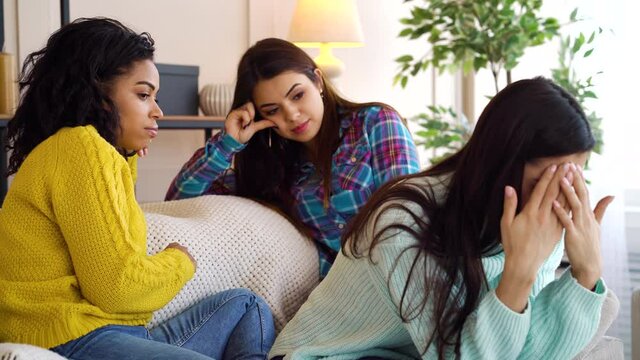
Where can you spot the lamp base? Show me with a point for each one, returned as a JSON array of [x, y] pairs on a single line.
[[331, 66]]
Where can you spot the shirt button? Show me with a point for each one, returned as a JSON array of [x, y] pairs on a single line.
[[353, 159], [340, 226]]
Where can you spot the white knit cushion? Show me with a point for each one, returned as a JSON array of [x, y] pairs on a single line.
[[9, 351], [237, 243]]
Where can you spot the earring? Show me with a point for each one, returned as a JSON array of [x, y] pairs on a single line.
[[322, 94], [269, 138]]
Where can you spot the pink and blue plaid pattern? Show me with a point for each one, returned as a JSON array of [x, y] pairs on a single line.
[[376, 147]]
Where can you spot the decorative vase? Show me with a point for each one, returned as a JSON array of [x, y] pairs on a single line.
[[216, 99]]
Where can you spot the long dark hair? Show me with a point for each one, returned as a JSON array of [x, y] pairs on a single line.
[[267, 173], [529, 119], [66, 83]]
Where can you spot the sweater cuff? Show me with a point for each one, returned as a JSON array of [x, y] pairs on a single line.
[[229, 145], [186, 266], [509, 321], [568, 283]]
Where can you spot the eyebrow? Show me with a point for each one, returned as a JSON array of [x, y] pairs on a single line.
[[285, 95], [153, 87]]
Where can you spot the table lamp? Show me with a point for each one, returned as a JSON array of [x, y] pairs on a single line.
[[326, 24]]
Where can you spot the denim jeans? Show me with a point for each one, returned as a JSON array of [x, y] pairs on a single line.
[[233, 324]]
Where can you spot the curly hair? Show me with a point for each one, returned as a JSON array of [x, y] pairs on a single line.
[[67, 83]]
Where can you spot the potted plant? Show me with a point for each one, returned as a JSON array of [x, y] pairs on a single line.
[[473, 35]]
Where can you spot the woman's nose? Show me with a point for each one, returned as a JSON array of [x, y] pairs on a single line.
[[156, 112], [292, 113]]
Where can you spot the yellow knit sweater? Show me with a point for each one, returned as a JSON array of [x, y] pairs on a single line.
[[73, 253]]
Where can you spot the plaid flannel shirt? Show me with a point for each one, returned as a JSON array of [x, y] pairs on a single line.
[[376, 147]]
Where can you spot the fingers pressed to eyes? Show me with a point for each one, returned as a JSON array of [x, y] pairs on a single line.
[[580, 186], [570, 194], [563, 215], [553, 188], [541, 187]]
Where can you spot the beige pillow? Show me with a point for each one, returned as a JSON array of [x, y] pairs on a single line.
[[237, 243]]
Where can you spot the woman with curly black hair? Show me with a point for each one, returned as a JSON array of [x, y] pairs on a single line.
[[75, 274]]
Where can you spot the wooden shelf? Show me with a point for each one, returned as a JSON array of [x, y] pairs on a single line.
[[169, 121], [192, 118]]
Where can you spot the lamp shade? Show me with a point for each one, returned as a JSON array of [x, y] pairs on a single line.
[[326, 21]]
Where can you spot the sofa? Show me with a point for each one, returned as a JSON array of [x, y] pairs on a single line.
[[241, 243]]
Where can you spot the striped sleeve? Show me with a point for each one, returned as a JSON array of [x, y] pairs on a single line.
[[493, 331], [564, 317], [393, 151], [208, 170]]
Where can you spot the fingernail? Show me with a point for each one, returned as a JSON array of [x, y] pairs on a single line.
[[556, 203], [508, 191], [554, 167], [566, 167]]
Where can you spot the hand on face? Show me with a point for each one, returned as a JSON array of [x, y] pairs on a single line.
[[529, 237], [241, 124], [582, 236]]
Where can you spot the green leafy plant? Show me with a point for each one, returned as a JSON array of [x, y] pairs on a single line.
[[492, 34], [571, 49], [442, 131], [473, 35]]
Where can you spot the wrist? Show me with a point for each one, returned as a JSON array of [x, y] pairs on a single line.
[[586, 278], [514, 289], [519, 272]]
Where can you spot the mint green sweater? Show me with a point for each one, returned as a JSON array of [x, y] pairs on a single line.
[[354, 312]]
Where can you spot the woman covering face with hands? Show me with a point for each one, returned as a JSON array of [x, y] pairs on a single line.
[[458, 261], [299, 146]]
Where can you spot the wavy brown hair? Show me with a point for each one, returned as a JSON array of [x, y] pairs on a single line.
[[66, 83], [266, 173], [527, 120]]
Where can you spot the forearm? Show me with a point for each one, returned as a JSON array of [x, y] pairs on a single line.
[[206, 167]]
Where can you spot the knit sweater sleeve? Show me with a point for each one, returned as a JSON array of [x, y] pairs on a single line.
[[556, 324], [104, 229]]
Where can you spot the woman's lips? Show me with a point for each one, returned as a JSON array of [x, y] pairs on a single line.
[[301, 128], [153, 132]]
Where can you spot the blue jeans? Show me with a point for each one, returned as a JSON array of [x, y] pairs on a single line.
[[233, 324]]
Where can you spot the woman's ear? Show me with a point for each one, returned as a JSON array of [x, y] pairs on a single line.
[[319, 81]]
